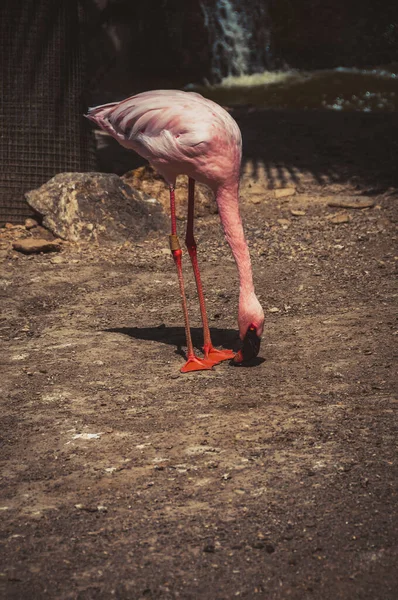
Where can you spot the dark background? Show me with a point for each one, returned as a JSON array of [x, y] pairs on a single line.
[[166, 41]]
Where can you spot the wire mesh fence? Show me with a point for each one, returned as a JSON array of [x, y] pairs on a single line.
[[42, 73]]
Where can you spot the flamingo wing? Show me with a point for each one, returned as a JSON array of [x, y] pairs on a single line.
[[177, 132], [161, 125]]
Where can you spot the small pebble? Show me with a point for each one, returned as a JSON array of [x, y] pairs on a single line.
[[284, 223], [351, 202], [30, 223], [340, 218], [284, 192]]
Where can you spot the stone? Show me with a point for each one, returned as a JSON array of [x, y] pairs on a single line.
[[340, 218], [57, 260], [31, 223], [297, 213], [358, 202], [284, 192], [284, 223], [37, 245], [147, 180], [91, 508], [97, 207]]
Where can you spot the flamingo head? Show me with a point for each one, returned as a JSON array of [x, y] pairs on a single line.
[[251, 325]]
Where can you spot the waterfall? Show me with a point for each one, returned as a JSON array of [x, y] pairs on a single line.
[[239, 36]]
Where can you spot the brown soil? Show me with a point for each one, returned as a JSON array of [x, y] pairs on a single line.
[[122, 478]]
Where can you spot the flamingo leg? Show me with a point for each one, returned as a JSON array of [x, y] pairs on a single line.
[[193, 362], [211, 354]]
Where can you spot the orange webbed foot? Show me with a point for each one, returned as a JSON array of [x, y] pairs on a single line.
[[196, 364], [217, 356]]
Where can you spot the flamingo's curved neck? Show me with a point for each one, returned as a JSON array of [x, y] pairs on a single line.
[[227, 197]]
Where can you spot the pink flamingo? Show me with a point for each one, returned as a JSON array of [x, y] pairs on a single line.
[[184, 133]]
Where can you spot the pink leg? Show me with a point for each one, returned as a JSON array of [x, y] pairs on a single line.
[[193, 363], [215, 356]]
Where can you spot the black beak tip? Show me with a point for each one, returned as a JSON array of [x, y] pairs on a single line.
[[250, 348]]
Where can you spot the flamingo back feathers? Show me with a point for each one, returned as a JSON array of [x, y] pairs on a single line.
[[175, 131]]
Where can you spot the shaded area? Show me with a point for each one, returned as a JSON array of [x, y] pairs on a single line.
[[175, 336], [326, 33], [358, 148]]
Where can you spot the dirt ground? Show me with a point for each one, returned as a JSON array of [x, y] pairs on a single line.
[[122, 478]]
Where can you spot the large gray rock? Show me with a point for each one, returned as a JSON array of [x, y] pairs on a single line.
[[95, 206]]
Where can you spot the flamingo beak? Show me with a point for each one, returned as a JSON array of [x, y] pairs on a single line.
[[250, 347]]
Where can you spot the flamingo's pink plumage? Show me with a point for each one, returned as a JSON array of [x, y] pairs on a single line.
[[184, 133]]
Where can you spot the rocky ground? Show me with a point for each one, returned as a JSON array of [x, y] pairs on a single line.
[[122, 478]]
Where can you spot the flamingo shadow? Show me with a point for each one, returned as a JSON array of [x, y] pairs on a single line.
[[175, 336]]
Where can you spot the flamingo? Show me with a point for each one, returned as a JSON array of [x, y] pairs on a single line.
[[184, 133]]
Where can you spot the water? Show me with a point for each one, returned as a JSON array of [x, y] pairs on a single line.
[[340, 89], [239, 37]]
